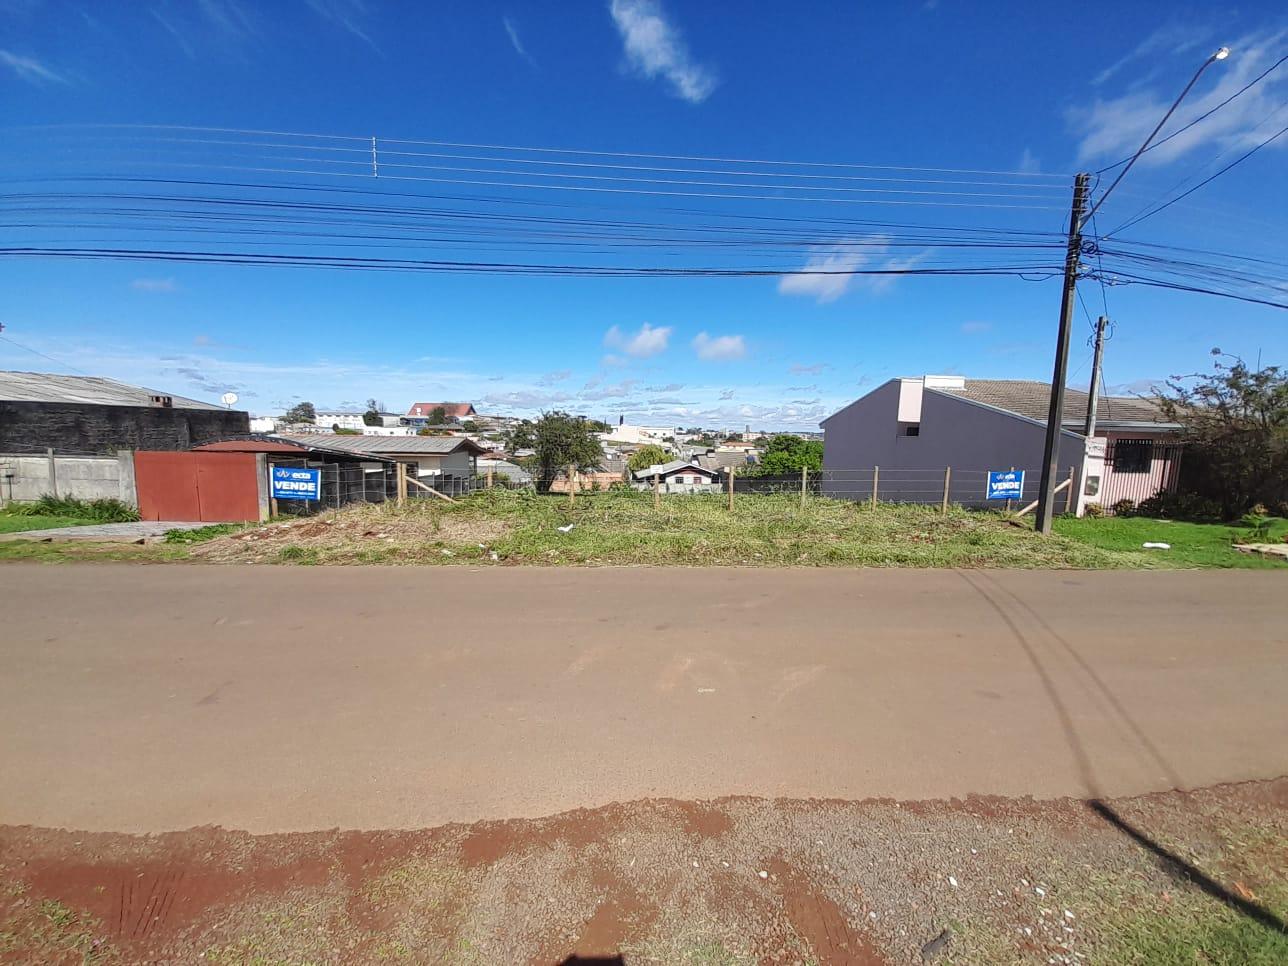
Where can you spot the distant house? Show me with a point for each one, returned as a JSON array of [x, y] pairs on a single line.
[[678, 476], [912, 428], [90, 414], [352, 419], [503, 470], [420, 413], [425, 456]]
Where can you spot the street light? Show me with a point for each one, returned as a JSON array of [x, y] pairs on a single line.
[[1221, 54]]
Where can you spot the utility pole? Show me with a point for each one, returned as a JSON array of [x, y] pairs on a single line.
[[1051, 451], [1093, 393]]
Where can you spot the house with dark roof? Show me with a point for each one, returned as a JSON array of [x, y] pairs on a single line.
[[445, 457], [677, 476], [91, 414], [908, 431]]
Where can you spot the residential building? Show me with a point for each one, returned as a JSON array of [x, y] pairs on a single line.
[[678, 476], [90, 414], [503, 470], [624, 434], [263, 424], [425, 456], [420, 413], [914, 428]]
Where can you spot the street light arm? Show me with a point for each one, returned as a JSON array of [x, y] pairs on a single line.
[[1221, 54]]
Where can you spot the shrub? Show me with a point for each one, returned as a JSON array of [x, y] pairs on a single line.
[[1180, 506], [1093, 510], [1258, 524], [1125, 507], [98, 511]]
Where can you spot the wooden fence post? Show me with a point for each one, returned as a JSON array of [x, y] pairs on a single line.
[[948, 477], [1068, 497], [402, 483], [804, 483], [490, 471], [572, 483], [876, 479], [657, 493], [732, 471]]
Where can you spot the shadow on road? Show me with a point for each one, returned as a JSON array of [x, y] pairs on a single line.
[[1181, 870]]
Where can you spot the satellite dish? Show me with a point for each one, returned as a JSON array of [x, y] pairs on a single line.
[[228, 399]]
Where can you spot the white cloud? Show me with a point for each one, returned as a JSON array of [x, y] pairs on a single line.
[[512, 31], [154, 285], [346, 14], [829, 272], [594, 391], [799, 369], [719, 348], [552, 377], [1171, 38], [1113, 128], [524, 399], [975, 328], [654, 48], [1028, 163], [648, 341], [30, 69]]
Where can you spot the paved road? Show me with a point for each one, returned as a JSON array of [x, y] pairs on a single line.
[[144, 698]]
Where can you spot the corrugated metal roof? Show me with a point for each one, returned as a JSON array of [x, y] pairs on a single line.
[[662, 469], [450, 410], [1032, 399], [50, 387], [387, 445]]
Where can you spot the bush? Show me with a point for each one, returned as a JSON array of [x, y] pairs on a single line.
[[1126, 507], [1180, 506], [1093, 510], [98, 511]]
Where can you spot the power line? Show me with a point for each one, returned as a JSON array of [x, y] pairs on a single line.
[[1205, 115], [1239, 160], [5, 338]]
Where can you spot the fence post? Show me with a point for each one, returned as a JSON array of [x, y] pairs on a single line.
[[572, 484], [402, 483], [804, 482], [1008, 499], [948, 477], [1068, 497], [732, 471], [876, 479], [53, 472], [657, 493], [489, 477]]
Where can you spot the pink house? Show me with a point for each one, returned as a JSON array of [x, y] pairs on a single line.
[[913, 428]]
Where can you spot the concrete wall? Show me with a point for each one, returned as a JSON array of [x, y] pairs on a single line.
[[28, 477], [88, 428], [955, 432]]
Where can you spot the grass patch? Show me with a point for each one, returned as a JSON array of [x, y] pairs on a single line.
[[625, 528], [202, 534], [70, 551], [92, 511], [20, 522], [1193, 544]]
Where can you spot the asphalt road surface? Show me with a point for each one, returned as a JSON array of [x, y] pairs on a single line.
[[273, 698]]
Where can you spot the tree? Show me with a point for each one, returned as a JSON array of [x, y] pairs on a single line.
[[1235, 427], [437, 416], [647, 456], [470, 426], [522, 435], [372, 416], [559, 440], [301, 413], [786, 453]]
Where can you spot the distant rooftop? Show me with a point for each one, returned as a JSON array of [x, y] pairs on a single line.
[[450, 410], [386, 445], [48, 387]]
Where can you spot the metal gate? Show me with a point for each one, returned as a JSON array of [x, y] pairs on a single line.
[[204, 487]]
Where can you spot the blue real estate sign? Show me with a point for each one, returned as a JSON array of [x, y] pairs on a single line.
[[1005, 485], [291, 483]]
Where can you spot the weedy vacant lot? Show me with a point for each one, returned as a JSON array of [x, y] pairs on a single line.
[[501, 526]]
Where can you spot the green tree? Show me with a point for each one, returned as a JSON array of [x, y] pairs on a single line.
[[560, 439], [372, 416], [522, 435], [1235, 427], [787, 453], [437, 416], [647, 456], [300, 413], [470, 426]]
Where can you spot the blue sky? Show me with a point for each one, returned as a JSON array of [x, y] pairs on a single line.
[[1037, 90]]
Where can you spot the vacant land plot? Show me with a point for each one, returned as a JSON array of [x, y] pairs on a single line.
[[1174, 879], [626, 528]]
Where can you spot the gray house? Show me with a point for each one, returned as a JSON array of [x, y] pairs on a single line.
[[912, 429]]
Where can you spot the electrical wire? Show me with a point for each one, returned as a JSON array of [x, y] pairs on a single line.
[[5, 338]]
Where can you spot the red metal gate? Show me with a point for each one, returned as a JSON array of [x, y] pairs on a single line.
[[205, 487]]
